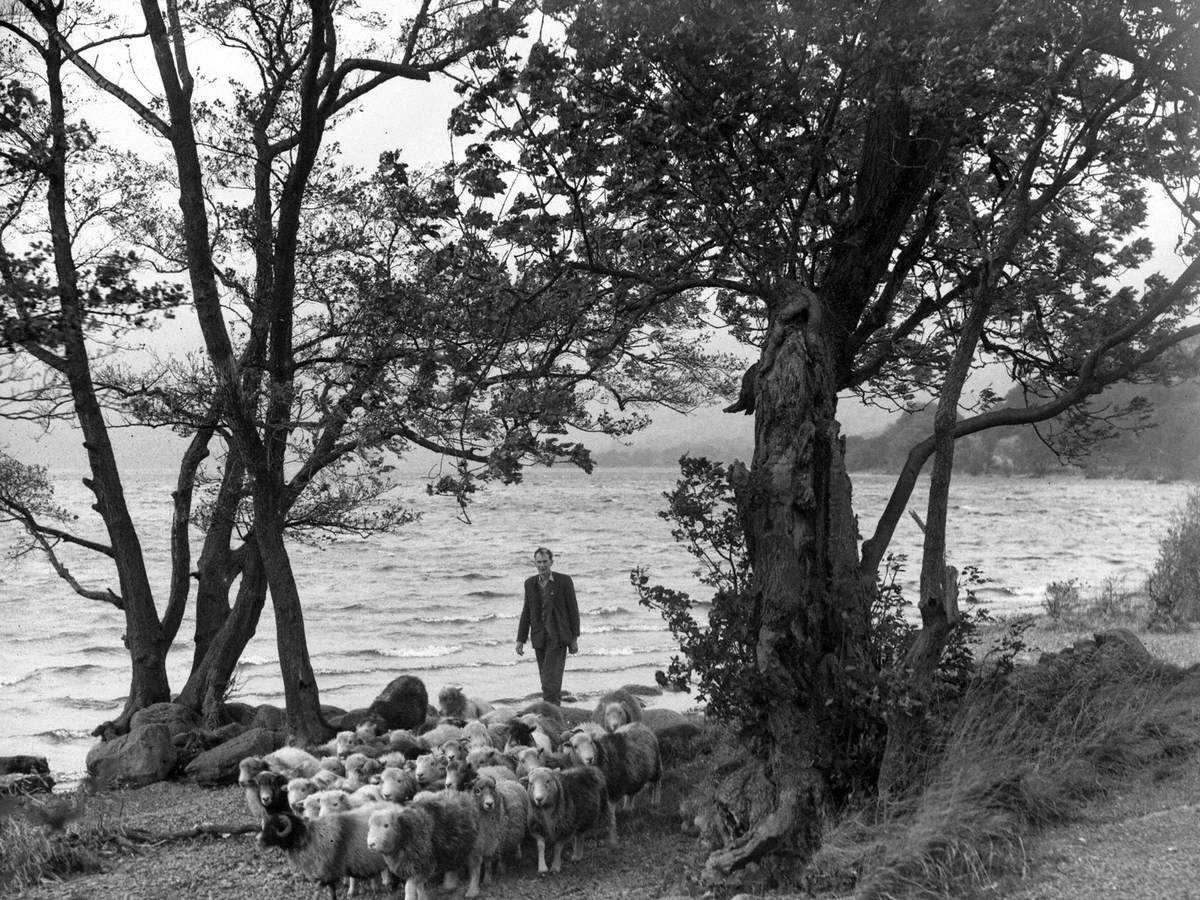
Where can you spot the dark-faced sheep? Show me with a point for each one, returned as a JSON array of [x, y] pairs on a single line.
[[563, 805], [629, 758], [325, 850], [504, 811], [273, 792], [436, 833], [617, 708], [454, 704]]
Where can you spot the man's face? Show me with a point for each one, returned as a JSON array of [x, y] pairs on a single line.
[[542, 562]]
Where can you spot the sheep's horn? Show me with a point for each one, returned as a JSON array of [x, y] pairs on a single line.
[[285, 828]]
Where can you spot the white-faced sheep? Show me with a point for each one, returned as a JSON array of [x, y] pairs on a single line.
[[460, 774], [360, 770], [298, 790], [529, 758], [454, 704], [629, 758], [504, 811], [248, 771], [397, 785], [476, 734], [565, 803], [430, 770], [436, 833], [325, 850], [617, 708]]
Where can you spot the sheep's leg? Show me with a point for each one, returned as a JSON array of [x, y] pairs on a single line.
[[576, 847], [556, 863], [541, 847], [352, 890], [412, 889], [474, 867], [450, 880], [656, 794], [612, 825]]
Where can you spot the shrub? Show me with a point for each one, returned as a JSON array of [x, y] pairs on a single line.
[[1061, 601], [1173, 588]]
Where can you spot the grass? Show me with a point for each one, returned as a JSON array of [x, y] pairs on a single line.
[[32, 851]]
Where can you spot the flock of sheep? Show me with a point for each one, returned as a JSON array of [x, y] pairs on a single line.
[[455, 799]]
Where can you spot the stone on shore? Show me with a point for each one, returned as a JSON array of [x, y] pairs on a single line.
[[25, 775], [270, 717], [24, 765], [404, 703], [219, 766], [143, 756], [178, 719]]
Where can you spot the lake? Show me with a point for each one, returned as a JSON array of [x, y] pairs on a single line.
[[440, 599]]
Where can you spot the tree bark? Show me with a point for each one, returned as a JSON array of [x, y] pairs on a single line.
[[811, 607], [143, 631]]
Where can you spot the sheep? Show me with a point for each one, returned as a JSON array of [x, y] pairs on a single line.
[[326, 779], [452, 750], [617, 708], [293, 762], [327, 849], [430, 769], [563, 804], [504, 812], [530, 758], [297, 790], [440, 733], [522, 734], [629, 758], [544, 708], [332, 764], [332, 802], [435, 833], [273, 792], [248, 772], [476, 734], [454, 704], [490, 756], [404, 741], [360, 770], [460, 774], [397, 785]]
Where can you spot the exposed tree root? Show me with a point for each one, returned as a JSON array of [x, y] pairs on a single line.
[[764, 838]]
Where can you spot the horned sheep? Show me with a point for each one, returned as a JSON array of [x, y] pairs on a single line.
[[504, 812], [564, 804], [327, 849]]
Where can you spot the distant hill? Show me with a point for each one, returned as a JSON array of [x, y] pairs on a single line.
[[1169, 449]]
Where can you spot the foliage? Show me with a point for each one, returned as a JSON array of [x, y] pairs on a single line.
[[1174, 584], [1062, 600], [30, 853]]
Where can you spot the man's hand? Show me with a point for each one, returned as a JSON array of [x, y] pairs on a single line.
[[573, 647], [520, 648]]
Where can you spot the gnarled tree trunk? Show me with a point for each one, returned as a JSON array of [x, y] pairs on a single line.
[[812, 609]]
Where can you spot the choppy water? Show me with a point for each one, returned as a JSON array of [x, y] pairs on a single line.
[[441, 598]]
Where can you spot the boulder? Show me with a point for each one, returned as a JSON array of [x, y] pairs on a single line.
[[24, 765], [403, 703], [348, 721], [238, 712], [219, 766], [141, 757], [272, 718], [178, 719]]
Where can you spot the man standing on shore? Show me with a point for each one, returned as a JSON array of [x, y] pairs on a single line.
[[550, 618]]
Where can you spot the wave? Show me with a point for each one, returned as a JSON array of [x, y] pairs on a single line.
[[11, 682], [461, 620], [608, 611], [490, 594], [94, 703], [431, 650], [333, 670], [479, 576], [247, 661], [105, 649], [63, 735], [610, 651], [609, 629]]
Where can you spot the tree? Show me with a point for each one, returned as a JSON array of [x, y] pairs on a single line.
[[376, 312], [879, 197]]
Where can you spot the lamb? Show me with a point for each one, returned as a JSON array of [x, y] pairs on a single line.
[[629, 758], [325, 850], [360, 770], [504, 812], [298, 790], [435, 833], [460, 774], [454, 704], [326, 779], [617, 708], [476, 734], [397, 785], [563, 804], [530, 758], [440, 733]]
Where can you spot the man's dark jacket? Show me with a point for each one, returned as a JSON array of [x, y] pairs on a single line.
[[558, 623]]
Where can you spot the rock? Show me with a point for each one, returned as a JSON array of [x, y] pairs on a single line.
[[219, 765], [238, 712], [1121, 646], [272, 718], [329, 712], [25, 783], [348, 721], [141, 757], [178, 719], [404, 703], [24, 765]]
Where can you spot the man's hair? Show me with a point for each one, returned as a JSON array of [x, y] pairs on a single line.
[[546, 550]]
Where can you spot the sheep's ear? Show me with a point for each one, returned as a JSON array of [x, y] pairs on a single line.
[[524, 780]]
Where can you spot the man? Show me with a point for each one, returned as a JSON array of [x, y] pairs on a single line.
[[550, 618]]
